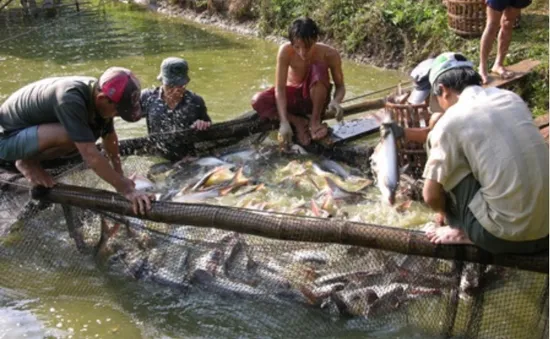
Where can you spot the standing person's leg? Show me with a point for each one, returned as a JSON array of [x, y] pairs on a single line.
[[504, 37], [495, 9]]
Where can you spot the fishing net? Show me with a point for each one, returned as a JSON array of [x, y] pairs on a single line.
[[328, 273]]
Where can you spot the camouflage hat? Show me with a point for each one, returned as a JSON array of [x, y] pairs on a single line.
[[173, 72], [447, 61]]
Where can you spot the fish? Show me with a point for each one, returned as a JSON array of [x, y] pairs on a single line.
[[207, 266], [222, 176], [213, 162], [317, 211], [172, 274], [404, 206], [314, 256], [389, 300], [385, 164], [141, 182], [335, 168], [317, 295], [216, 176], [354, 302], [297, 149], [188, 197], [241, 157], [160, 168], [339, 193]]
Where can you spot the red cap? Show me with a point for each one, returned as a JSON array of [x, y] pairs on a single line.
[[123, 88]]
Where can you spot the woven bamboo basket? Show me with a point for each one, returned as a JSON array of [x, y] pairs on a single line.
[[410, 116], [467, 17]]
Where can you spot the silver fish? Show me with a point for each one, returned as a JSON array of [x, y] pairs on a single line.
[[212, 162], [385, 164], [339, 193], [241, 156], [196, 196], [314, 256], [334, 167], [141, 182]]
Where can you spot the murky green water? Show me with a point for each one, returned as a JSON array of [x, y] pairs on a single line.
[[49, 289]]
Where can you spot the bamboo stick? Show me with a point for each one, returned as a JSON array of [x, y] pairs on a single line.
[[239, 128], [287, 227]]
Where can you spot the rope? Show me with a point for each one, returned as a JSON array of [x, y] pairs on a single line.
[[377, 92]]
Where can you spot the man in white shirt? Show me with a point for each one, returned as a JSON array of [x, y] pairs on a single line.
[[487, 167]]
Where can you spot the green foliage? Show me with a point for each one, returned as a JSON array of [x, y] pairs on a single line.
[[401, 33]]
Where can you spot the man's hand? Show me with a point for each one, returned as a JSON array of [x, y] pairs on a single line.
[[285, 133], [334, 107], [386, 127], [201, 125], [141, 201]]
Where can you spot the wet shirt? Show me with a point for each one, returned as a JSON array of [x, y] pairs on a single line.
[[161, 119], [65, 100], [490, 133]]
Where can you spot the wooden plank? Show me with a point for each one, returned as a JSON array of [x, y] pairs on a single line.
[[352, 129], [520, 69]]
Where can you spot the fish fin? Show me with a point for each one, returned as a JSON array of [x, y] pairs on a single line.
[[227, 190], [404, 206], [205, 178], [315, 208], [239, 179], [331, 184], [313, 182], [308, 294]]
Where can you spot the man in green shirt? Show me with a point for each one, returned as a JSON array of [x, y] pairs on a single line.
[[54, 117]]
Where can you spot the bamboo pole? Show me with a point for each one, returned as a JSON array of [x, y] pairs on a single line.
[[287, 227], [242, 127], [6, 4]]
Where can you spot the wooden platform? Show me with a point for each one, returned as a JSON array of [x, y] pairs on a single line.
[[520, 70]]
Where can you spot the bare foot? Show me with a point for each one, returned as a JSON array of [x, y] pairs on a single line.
[[302, 133], [32, 170], [448, 235], [502, 72], [485, 79]]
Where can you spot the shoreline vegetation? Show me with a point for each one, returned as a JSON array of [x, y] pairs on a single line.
[[395, 34]]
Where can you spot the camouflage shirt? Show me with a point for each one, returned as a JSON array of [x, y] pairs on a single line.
[[161, 119]]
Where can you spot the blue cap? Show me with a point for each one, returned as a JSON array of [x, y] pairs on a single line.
[[173, 72]]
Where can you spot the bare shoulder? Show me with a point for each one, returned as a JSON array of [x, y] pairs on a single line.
[[329, 53], [285, 50]]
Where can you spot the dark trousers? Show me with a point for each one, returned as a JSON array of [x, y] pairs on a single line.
[[459, 215]]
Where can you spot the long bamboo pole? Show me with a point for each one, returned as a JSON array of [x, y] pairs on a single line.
[[238, 128], [287, 227]]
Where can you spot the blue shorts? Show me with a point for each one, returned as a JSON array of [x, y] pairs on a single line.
[[501, 5], [22, 144]]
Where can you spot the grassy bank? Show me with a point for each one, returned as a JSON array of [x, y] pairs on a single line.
[[395, 33]]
